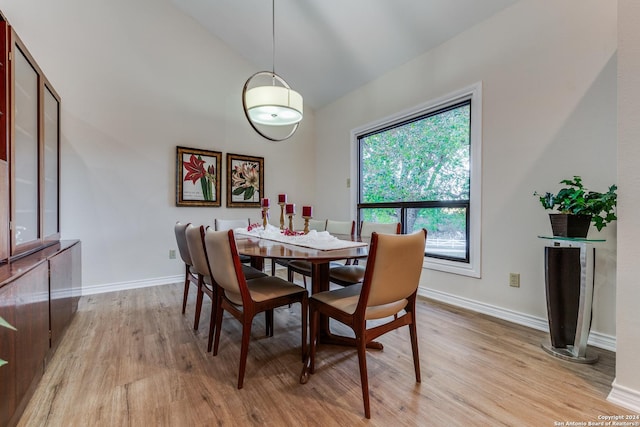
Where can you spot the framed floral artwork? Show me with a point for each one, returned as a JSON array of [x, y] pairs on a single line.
[[245, 181], [198, 177]]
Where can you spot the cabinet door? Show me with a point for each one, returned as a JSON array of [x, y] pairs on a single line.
[[51, 229], [25, 164], [4, 159], [25, 304], [65, 281], [8, 401]]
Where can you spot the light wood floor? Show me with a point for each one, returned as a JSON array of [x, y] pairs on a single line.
[[131, 359]]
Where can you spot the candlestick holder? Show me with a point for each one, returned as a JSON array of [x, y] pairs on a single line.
[[290, 221], [306, 223], [265, 217], [281, 215]]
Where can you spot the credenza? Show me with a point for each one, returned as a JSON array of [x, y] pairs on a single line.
[[39, 295]]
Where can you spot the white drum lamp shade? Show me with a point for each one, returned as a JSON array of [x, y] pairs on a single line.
[[274, 105]]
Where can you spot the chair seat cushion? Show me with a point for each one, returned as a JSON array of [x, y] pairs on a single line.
[[251, 273], [346, 300], [281, 261], [347, 274], [265, 288], [270, 287]]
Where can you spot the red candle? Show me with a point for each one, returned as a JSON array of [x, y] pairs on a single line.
[[265, 203], [290, 209], [307, 210], [282, 198]]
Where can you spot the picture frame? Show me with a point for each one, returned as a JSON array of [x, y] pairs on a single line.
[[245, 181], [198, 174]]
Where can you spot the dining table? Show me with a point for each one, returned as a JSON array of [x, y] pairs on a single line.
[[260, 249]]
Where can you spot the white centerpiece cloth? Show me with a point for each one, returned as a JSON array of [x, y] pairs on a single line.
[[320, 240]]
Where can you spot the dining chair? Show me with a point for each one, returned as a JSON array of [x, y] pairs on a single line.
[[246, 298], [201, 268], [304, 267], [389, 288], [351, 274], [231, 224], [190, 276], [317, 224], [340, 227], [200, 261]]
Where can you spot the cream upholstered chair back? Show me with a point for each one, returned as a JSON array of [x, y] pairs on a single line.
[[366, 228], [394, 267], [318, 225], [197, 251], [181, 240], [340, 227], [230, 224], [219, 249]]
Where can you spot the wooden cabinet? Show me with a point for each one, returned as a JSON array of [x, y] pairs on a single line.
[[40, 276], [29, 152], [38, 295]]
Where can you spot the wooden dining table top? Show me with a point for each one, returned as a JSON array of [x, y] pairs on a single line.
[[264, 248]]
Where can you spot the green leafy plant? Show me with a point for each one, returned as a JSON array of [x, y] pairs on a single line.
[[5, 324], [576, 199]]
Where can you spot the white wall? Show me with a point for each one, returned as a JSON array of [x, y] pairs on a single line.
[[626, 390], [548, 70], [137, 78]]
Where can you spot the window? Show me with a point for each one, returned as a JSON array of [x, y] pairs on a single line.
[[422, 168]]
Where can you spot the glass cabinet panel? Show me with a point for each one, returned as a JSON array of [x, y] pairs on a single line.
[[51, 147], [25, 220]]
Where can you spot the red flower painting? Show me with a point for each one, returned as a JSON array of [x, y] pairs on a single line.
[[196, 172]]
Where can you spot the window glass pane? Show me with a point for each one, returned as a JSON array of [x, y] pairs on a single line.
[[422, 160], [446, 229], [381, 215], [26, 150]]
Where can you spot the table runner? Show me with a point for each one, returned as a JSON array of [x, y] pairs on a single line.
[[320, 240]]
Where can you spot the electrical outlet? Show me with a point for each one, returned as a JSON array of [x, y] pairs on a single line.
[[172, 254], [348, 182], [514, 280]]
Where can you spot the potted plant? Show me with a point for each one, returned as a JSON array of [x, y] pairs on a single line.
[[578, 207]]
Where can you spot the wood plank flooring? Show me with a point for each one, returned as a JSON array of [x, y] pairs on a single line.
[[132, 359]]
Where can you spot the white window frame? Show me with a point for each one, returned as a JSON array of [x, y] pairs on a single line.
[[474, 94]]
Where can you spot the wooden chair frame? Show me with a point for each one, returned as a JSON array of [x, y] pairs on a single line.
[[358, 323], [250, 308]]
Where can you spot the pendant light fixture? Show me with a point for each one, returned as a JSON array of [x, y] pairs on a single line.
[[274, 104]]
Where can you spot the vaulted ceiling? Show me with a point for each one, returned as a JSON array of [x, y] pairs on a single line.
[[327, 48]]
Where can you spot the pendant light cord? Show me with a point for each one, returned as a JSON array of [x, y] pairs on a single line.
[[273, 36]]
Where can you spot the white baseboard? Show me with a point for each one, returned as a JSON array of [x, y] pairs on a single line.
[[624, 397], [596, 339], [124, 286]]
